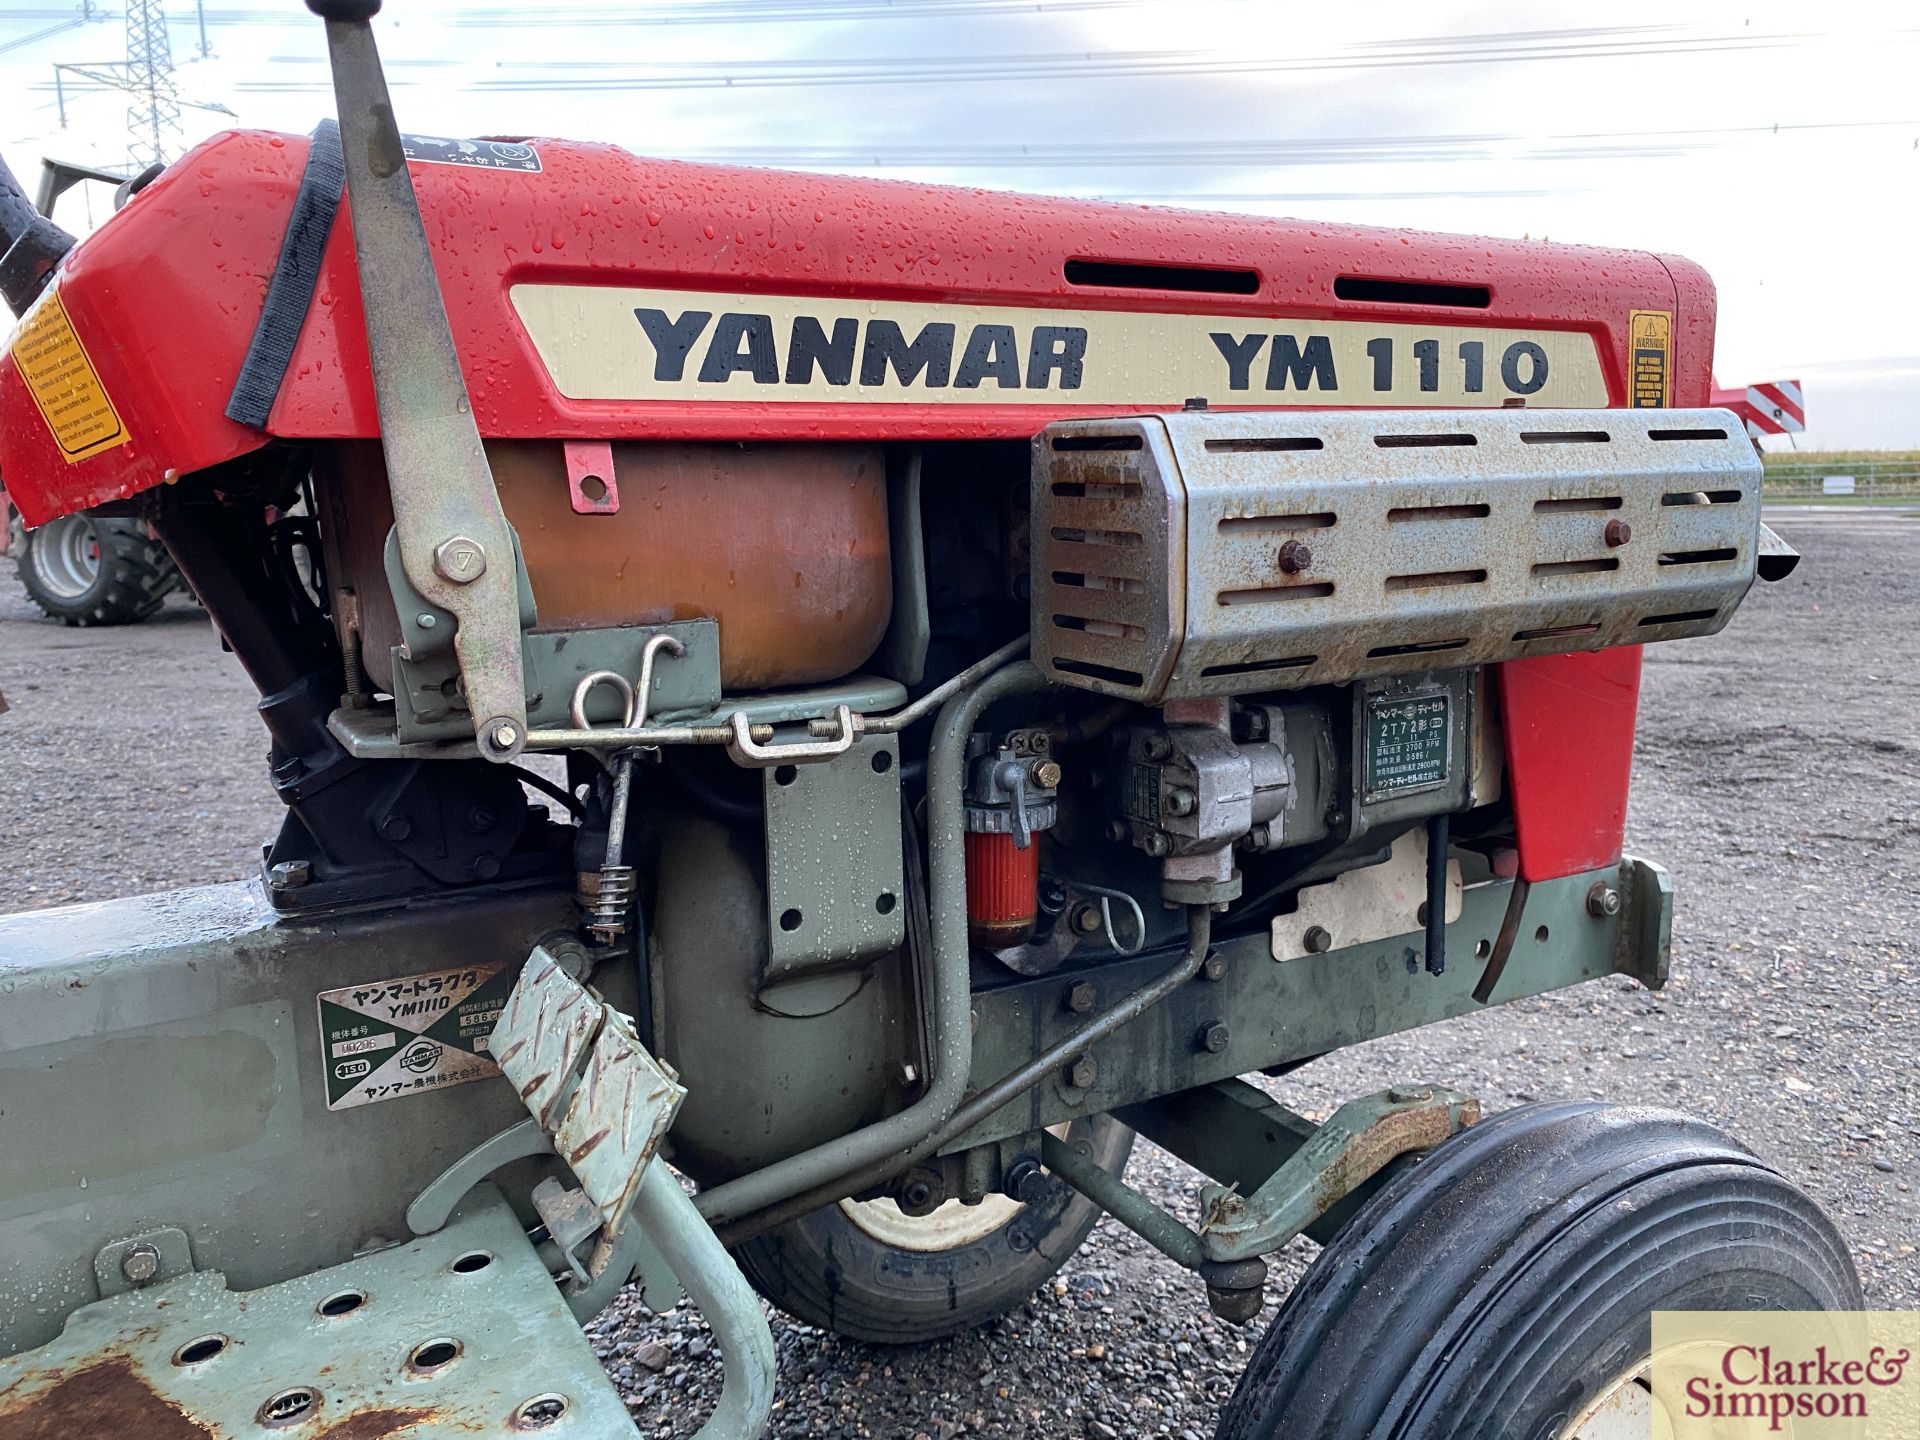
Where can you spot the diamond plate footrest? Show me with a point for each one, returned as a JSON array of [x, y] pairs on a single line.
[[588, 1081], [459, 1333]]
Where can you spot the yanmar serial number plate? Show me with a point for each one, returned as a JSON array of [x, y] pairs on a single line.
[[1407, 742], [389, 1038]]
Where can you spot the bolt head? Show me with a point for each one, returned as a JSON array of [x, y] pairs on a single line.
[[1086, 920], [1408, 1094], [1603, 901], [1156, 845], [1083, 1073], [141, 1263], [1181, 801], [1215, 966], [1026, 1182], [290, 874], [396, 827], [1045, 774], [1081, 997], [1159, 747], [1617, 533], [459, 560], [1294, 557], [1318, 940], [1213, 1038]]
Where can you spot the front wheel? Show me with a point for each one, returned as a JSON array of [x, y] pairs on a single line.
[[868, 1271], [1504, 1285]]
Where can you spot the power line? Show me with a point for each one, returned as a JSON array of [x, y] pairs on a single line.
[[1345, 150], [571, 76]]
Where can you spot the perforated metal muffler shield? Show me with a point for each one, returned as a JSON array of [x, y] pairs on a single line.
[[1216, 554]]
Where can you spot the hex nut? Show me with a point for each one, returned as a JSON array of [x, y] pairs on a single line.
[[1085, 919], [1081, 997], [1603, 901], [459, 560]]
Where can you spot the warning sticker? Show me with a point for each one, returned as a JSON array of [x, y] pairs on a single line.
[[64, 383], [482, 154], [1651, 347], [390, 1038]]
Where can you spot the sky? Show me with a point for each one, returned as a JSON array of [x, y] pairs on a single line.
[[1776, 143]]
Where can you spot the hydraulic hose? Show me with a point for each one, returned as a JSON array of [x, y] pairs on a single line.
[[885, 1143]]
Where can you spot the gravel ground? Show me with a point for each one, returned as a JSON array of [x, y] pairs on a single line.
[[1779, 778]]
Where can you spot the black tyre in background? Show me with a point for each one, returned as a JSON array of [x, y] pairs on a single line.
[[83, 570]]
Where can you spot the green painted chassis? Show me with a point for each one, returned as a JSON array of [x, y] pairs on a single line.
[[160, 1058]]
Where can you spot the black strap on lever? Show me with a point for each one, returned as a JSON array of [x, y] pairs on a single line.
[[295, 277]]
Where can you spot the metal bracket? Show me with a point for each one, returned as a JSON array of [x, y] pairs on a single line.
[[150, 1258], [836, 886], [1356, 1142], [592, 485], [454, 538], [748, 753]]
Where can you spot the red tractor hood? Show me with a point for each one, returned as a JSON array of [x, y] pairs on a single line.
[[601, 295]]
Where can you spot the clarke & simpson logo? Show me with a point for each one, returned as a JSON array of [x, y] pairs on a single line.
[[1811, 1376], [1754, 1382]]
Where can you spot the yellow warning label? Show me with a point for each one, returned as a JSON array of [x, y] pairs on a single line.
[[64, 383], [1650, 386]]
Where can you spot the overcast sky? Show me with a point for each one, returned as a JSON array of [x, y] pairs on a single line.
[[1776, 143]]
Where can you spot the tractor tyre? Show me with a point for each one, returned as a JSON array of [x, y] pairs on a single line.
[[866, 1270], [1503, 1285], [81, 570]]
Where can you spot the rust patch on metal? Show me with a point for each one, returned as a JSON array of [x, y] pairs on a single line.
[[375, 1424], [109, 1398]]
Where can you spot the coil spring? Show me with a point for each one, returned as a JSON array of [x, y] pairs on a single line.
[[612, 901]]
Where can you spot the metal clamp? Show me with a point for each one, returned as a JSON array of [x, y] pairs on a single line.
[[745, 751]]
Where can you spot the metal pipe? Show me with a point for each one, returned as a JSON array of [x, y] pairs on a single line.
[[900, 719], [1126, 1204], [687, 1243], [1006, 1089], [885, 1142]]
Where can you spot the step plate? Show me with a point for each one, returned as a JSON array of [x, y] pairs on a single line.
[[1204, 554], [192, 1360]]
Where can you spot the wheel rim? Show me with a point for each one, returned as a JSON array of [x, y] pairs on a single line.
[[1625, 1410], [66, 556], [947, 1227]]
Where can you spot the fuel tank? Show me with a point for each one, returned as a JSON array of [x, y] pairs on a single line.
[[784, 545]]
